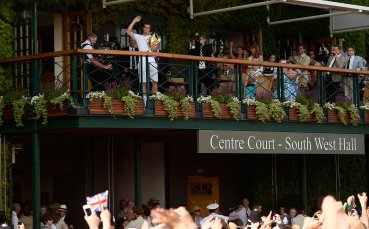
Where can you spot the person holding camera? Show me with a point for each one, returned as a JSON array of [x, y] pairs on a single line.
[[95, 68], [334, 80]]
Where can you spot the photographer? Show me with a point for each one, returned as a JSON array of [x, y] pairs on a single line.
[[95, 68], [323, 55]]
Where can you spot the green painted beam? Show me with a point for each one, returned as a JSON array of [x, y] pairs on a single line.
[[123, 122], [36, 186]]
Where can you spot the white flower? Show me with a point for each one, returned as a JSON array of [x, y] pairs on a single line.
[[249, 101], [235, 99], [95, 95], [204, 99], [330, 105], [365, 107], [35, 98]]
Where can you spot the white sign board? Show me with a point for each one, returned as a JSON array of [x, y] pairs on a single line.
[[349, 22], [215, 141]]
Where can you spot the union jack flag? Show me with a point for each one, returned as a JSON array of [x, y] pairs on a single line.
[[98, 202]]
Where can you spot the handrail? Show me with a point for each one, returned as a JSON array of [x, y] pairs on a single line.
[[180, 57]]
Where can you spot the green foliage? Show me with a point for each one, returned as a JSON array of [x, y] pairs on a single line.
[[5, 166], [5, 79]]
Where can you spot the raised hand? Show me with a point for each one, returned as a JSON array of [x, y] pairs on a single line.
[[92, 220], [137, 19], [105, 217]]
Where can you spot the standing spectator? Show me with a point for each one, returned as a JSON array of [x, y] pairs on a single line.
[[243, 212], [130, 64], [214, 212], [313, 62], [356, 63], [3, 221], [16, 214], [207, 72], [255, 215], [196, 215], [64, 216], [302, 59], [298, 219], [138, 221], [285, 218], [334, 80], [26, 216], [47, 221], [253, 70], [143, 45], [122, 206], [323, 56]]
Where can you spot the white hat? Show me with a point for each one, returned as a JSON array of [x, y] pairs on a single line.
[[213, 206], [63, 207]]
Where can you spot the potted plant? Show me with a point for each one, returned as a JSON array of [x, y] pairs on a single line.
[[304, 109], [220, 105], [116, 99], [14, 104], [175, 102], [342, 110], [52, 102], [266, 107], [366, 112]]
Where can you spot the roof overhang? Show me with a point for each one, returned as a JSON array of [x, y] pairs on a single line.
[[333, 9]]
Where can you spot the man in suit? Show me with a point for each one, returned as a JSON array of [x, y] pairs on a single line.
[[130, 64], [302, 59], [207, 72], [356, 63], [334, 80]]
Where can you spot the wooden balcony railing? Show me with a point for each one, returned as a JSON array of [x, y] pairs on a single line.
[[284, 81]]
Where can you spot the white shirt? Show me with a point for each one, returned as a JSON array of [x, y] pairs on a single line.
[[87, 45], [351, 59], [141, 42], [241, 214]]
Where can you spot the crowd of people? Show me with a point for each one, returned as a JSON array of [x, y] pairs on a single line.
[[53, 216], [331, 214], [212, 75]]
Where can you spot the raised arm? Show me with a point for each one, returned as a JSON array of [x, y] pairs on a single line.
[[130, 27]]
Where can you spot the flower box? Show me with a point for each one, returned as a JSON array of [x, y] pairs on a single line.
[[96, 107], [366, 116], [333, 116], [225, 111], [160, 111], [251, 112], [54, 110], [8, 113], [293, 115]]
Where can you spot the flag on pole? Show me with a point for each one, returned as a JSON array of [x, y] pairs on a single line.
[[98, 202]]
